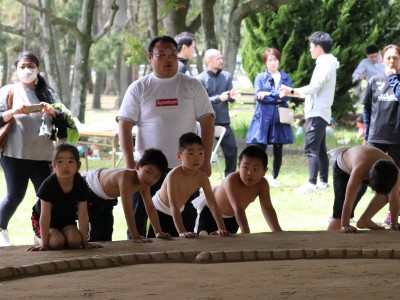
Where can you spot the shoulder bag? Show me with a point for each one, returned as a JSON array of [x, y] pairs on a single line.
[[286, 115], [5, 129]]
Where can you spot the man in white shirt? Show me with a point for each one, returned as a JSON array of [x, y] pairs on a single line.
[[164, 105], [319, 96], [369, 66]]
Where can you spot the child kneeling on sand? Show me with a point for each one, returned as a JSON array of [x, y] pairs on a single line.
[[107, 184], [180, 183], [237, 191], [61, 198]]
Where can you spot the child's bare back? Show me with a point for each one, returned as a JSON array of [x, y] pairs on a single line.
[[114, 181]]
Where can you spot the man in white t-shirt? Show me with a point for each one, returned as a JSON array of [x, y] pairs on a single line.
[[164, 105]]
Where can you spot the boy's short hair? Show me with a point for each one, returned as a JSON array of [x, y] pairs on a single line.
[[322, 39], [154, 157], [371, 49], [189, 138], [383, 176], [184, 38], [254, 151]]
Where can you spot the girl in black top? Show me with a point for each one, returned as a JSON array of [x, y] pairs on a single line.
[[61, 199]]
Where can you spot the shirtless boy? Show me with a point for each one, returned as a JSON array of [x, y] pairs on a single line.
[[107, 184], [180, 183], [238, 190], [354, 169]]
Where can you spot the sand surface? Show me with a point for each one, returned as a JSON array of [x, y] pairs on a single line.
[[289, 265]]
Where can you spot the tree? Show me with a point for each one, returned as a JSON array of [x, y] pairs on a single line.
[[353, 24]]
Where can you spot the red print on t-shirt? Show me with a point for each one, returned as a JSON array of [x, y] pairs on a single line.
[[167, 102]]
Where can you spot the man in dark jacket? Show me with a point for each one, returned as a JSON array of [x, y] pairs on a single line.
[[218, 84]]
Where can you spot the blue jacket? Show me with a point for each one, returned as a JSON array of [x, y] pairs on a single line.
[[265, 127]]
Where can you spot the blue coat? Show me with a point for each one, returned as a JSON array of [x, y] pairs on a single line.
[[265, 127]]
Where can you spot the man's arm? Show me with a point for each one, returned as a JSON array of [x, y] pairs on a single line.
[[207, 135], [359, 72], [125, 141]]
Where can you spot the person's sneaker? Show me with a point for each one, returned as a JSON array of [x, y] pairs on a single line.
[[274, 183], [307, 188], [4, 239], [387, 220], [323, 186]]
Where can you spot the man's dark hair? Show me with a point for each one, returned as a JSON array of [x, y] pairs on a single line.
[[154, 157], [189, 138], [254, 151], [161, 38], [184, 38], [383, 176], [371, 49], [322, 39]]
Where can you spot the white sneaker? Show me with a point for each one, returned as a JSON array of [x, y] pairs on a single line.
[[307, 188], [275, 183], [4, 239]]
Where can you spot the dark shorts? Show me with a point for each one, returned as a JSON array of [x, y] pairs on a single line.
[[340, 181], [206, 222], [36, 226], [167, 222]]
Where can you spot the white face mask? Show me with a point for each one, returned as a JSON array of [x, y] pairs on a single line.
[[27, 75]]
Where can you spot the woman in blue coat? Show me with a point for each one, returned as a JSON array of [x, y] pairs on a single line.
[[265, 127]]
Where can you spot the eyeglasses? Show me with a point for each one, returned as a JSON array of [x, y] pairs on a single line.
[[164, 55]]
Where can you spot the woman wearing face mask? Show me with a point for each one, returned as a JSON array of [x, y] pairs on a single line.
[[27, 156], [265, 127]]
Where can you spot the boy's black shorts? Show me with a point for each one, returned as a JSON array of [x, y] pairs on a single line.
[[340, 181]]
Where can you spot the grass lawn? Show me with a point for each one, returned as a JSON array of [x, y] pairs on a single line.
[[295, 212]]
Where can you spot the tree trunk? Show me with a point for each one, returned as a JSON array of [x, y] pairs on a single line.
[[175, 19], [98, 89], [237, 14], [207, 22], [52, 61]]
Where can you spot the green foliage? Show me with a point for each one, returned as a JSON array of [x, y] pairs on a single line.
[[134, 50], [353, 24]]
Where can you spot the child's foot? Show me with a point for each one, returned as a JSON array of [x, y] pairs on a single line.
[[369, 224]]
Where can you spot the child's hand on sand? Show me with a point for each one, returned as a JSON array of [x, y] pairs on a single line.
[[221, 232], [38, 248], [348, 229], [91, 245], [187, 234], [163, 235], [141, 239]]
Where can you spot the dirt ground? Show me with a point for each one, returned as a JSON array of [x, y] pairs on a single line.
[[288, 265]]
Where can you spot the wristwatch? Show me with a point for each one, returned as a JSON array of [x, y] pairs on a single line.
[[292, 91]]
